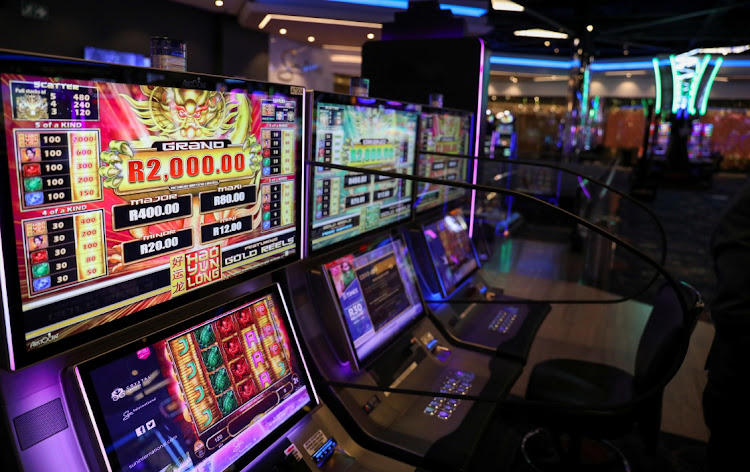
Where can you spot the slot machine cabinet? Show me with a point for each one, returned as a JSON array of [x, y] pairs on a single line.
[[127, 212]]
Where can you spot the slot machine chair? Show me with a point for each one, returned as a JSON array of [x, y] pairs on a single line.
[[574, 399]]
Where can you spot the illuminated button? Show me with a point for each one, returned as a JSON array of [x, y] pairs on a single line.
[[435, 403], [429, 410], [453, 401], [444, 415]]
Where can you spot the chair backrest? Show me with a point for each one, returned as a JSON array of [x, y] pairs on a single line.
[[667, 328]]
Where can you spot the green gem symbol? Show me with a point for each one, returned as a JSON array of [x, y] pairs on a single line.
[[266, 216], [266, 162], [212, 358], [205, 336], [228, 403], [32, 184], [219, 380], [40, 270]]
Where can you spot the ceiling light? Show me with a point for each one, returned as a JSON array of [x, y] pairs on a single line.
[[626, 73], [540, 33], [370, 35], [721, 79], [590, 28], [556, 50], [514, 79], [550, 78], [506, 5], [576, 41], [310, 19], [219, 3], [531, 62], [346, 59], [625, 52], [282, 31], [547, 43], [464, 11], [337, 47], [311, 39], [404, 4]]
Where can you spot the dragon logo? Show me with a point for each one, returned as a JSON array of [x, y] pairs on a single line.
[[187, 113]]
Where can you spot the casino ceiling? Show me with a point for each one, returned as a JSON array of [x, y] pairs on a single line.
[[617, 27]]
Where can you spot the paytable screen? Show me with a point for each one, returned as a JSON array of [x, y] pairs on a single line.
[[126, 196], [370, 135]]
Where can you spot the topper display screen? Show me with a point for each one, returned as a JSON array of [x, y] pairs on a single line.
[[124, 195], [201, 397], [366, 133], [451, 250], [377, 294], [443, 132]]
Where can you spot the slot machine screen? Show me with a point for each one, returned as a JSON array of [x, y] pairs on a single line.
[[367, 133], [199, 397], [125, 193], [377, 294], [452, 253], [445, 132]]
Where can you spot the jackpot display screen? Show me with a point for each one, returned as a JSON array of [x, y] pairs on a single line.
[[123, 196], [369, 134], [451, 250], [443, 132], [377, 294], [202, 396]]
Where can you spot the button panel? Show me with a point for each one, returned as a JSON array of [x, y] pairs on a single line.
[[456, 382], [503, 320]]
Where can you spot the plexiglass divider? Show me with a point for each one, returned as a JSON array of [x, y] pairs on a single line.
[[524, 289]]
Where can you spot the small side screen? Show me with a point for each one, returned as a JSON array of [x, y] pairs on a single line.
[[377, 294], [451, 250]]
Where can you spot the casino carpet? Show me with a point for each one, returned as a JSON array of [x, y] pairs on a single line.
[[689, 217]]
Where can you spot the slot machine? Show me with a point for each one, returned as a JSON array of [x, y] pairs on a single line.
[[147, 215]]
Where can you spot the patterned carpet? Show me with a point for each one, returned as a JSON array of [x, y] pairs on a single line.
[[689, 217]]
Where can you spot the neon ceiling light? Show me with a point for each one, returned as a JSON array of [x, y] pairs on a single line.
[[632, 65], [401, 4], [657, 78], [404, 4], [736, 63], [506, 5], [709, 84], [540, 33], [311, 19], [461, 10], [529, 62]]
